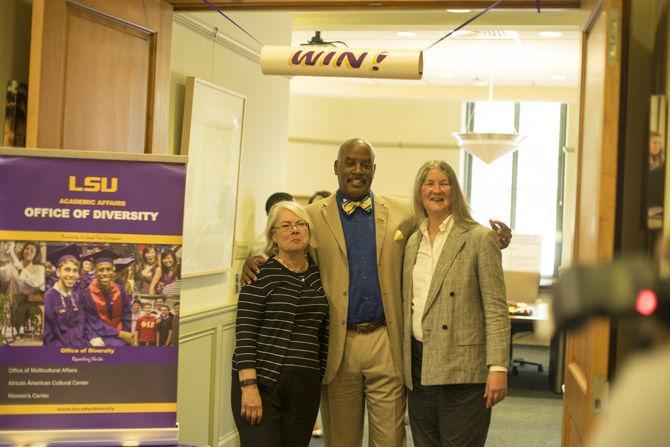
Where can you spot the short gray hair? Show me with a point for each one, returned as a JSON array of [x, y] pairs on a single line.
[[296, 209]]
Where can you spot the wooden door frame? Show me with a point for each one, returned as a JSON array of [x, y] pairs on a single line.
[[613, 92], [593, 381], [306, 5]]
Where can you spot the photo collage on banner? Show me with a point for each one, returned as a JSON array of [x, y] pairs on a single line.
[[50, 294], [90, 279]]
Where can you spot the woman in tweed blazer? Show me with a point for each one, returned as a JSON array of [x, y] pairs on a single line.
[[456, 325]]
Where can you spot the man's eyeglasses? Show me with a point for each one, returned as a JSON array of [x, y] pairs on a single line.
[[286, 227]]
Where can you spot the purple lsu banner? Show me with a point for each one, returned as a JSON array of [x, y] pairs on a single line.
[[67, 199], [90, 280]]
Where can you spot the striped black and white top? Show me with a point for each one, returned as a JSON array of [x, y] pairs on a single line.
[[282, 323]]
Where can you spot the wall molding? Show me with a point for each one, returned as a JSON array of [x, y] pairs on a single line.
[[211, 312], [212, 32], [211, 332], [229, 439], [376, 144], [205, 344], [228, 325]]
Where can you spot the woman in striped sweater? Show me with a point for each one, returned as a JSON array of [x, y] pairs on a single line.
[[282, 339]]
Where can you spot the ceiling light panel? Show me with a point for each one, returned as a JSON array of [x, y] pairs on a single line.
[[550, 34], [497, 34], [459, 33]]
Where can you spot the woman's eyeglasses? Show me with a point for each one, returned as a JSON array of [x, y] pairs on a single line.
[[286, 227]]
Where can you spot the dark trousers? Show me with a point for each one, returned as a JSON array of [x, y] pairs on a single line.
[[446, 415], [289, 411]]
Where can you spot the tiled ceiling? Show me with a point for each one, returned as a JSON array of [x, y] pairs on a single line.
[[511, 53]]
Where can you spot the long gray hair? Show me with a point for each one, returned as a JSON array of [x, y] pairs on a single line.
[[459, 208]]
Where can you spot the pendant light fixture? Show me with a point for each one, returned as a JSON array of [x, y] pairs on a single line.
[[488, 146]]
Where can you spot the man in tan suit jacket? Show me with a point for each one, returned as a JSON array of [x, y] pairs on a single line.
[[364, 357]]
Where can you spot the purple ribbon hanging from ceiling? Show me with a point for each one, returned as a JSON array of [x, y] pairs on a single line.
[[467, 22], [211, 6], [472, 19]]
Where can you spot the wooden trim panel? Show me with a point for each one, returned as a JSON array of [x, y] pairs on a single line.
[[301, 5], [69, 84]]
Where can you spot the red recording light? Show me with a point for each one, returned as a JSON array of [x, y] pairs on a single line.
[[646, 302]]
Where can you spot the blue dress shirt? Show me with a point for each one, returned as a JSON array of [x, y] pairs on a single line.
[[365, 296]]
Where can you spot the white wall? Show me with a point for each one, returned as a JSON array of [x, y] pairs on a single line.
[[266, 121], [208, 302], [405, 133]]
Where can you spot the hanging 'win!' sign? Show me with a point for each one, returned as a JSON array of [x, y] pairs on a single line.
[[342, 62]]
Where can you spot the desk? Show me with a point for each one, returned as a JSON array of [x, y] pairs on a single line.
[[524, 323]]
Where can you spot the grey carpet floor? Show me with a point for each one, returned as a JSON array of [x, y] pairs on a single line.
[[531, 414]]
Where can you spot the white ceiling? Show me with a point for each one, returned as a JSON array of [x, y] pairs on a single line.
[[511, 53]]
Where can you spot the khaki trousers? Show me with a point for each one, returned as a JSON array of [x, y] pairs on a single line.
[[367, 377]]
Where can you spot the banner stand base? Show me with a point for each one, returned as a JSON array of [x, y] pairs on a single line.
[[93, 437]]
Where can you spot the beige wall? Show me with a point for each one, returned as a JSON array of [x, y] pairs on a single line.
[[208, 302], [15, 16], [405, 134], [264, 148], [406, 130]]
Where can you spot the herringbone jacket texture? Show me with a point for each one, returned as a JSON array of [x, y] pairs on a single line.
[[465, 323]]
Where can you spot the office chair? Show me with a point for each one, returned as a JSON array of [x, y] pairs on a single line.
[[521, 287]]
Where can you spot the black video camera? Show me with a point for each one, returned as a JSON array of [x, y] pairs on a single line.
[[627, 287]]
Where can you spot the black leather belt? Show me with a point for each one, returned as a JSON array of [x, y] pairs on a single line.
[[365, 328]]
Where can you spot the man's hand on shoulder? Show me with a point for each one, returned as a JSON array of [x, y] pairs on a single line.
[[503, 233], [251, 270]]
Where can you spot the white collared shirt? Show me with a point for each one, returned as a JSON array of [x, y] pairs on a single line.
[[422, 275]]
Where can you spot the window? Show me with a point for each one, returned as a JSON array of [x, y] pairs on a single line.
[[523, 188]]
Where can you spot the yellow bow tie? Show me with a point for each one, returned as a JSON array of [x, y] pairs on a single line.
[[349, 206]]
